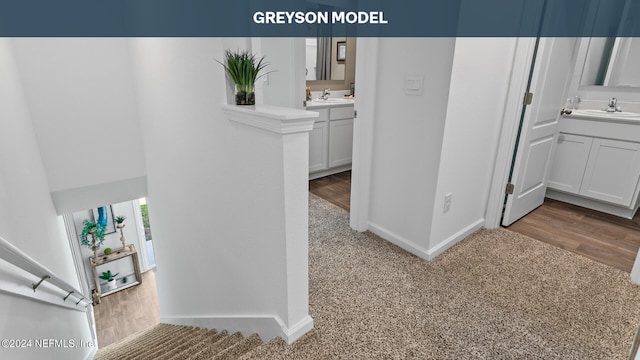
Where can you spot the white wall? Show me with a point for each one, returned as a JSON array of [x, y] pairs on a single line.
[[28, 220], [477, 99], [215, 196], [407, 139], [286, 57], [81, 100]]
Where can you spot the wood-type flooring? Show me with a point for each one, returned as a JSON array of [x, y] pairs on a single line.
[[336, 189], [127, 311], [601, 237]]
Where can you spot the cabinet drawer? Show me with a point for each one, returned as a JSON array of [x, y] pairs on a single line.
[[323, 114], [345, 112]]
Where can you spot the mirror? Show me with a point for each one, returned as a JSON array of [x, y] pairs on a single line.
[[612, 62], [323, 60], [330, 62]]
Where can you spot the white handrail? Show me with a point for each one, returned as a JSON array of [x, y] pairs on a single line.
[[72, 298]]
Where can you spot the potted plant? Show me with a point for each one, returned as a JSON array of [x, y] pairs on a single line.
[[120, 225], [111, 279], [120, 221], [92, 235], [243, 68]]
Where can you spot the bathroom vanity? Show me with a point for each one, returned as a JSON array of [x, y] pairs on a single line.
[[597, 161], [331, 140]]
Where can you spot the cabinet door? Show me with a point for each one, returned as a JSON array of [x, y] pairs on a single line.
[[612, 171], [340, 142], [569, 162], [318, 146]]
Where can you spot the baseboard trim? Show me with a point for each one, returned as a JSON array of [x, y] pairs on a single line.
[[426, 254], [268, 327], [91, 354], [455, 238], [399, 241]]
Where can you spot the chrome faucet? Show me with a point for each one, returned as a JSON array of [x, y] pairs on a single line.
[[613, 105], [325, 94]]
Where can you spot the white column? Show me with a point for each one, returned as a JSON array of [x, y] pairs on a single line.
[[287, 133]]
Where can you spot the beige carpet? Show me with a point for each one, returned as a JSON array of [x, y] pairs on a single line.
[[495, 295]]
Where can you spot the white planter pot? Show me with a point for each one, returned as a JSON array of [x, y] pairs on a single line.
[[111, 284]]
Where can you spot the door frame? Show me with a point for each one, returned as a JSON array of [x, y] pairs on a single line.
[[362, 158], [523, 57]]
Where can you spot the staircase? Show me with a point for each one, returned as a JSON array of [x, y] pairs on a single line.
[[172, 342]]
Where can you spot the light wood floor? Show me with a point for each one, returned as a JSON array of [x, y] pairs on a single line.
[[336, 189], [601, 237], [128, 311]]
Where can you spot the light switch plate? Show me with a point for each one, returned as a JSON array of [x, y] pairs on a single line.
[[413, 85]]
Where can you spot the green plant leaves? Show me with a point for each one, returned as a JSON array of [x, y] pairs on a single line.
[[89, 228], [243, 68]]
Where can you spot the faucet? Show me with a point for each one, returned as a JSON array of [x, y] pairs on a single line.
[[325, 94], [613, 105]]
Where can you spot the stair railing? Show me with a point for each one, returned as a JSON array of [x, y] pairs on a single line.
[[45, 285]]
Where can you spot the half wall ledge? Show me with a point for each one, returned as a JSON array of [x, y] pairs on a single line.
[[276, 119]]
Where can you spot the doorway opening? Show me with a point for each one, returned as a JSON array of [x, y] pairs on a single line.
[[117, 267]]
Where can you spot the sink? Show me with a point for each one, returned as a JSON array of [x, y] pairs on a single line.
[[333, 101], [601, 114]]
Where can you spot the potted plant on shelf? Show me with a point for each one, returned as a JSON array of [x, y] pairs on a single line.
[[243, 68], [111, 279], [120, 225], [92, 235]]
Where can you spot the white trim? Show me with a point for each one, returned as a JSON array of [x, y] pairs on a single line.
[[78, 262], [455, 238], [400, 241], [363, 125], [92, 353], [523, 55], [276, 119], [426, 254], [268, 327]]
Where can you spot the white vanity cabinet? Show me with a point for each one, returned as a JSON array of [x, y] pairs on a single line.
[[331, 141], [319, 143], [597, 165]]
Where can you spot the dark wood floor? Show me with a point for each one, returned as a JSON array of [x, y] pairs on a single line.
[[601, 237], [336, 189]]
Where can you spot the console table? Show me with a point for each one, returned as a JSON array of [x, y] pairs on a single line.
[[129, 251]]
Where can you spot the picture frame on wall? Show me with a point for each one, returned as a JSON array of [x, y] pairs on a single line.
[[341, 53], [111, 224]]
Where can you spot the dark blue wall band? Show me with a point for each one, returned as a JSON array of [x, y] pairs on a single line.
[[262, 18]]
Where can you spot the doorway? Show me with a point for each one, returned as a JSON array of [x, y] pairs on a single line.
[[121, 278]]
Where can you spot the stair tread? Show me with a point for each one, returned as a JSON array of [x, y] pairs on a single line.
[[239, 348], [176, 342]]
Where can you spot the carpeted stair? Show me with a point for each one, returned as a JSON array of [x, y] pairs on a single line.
[[173, 342]]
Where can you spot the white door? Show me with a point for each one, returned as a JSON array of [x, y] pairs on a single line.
[[538, 131]]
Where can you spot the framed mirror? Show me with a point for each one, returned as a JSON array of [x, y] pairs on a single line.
[[612, 62]]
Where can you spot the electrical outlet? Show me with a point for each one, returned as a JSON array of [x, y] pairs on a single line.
[[447, 202]]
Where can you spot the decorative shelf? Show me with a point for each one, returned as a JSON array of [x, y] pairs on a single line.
[[102, 259]]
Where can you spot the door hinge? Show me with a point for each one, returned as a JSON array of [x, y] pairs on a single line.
[[355, 113], [509, 189], [528, 98]]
